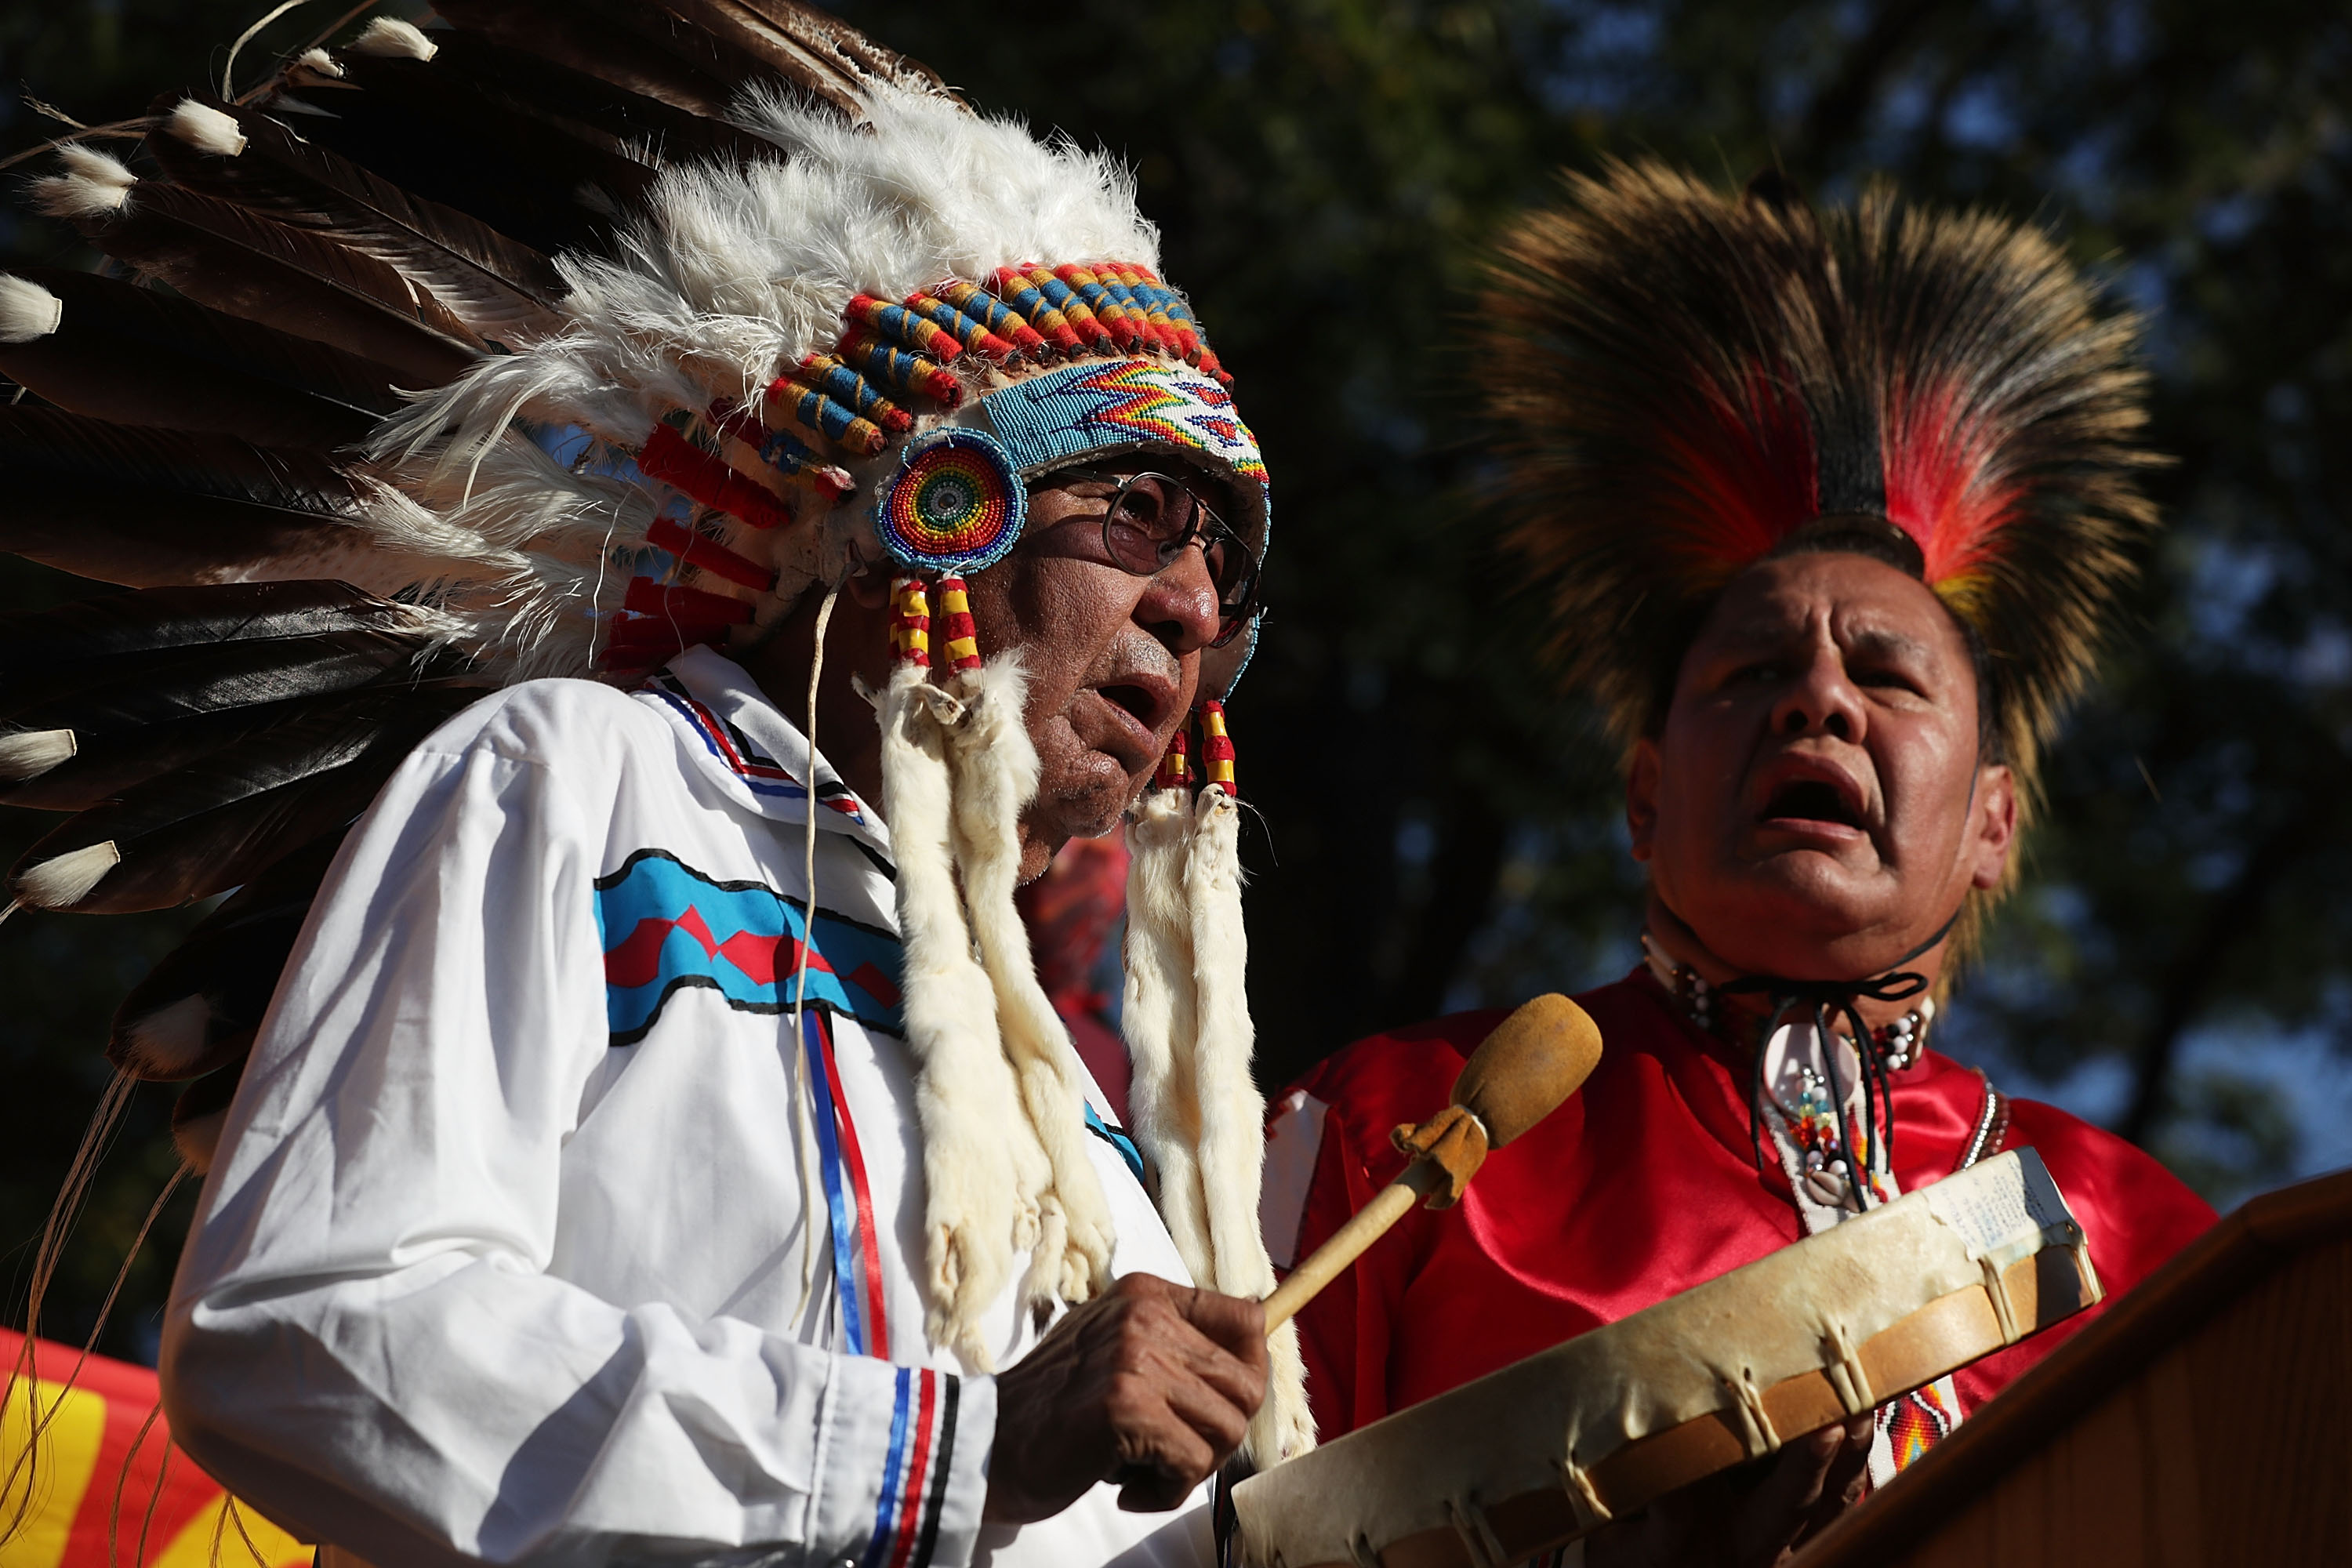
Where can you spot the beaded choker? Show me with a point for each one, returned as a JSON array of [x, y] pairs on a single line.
[[1892, 1047], [1898, 1042]]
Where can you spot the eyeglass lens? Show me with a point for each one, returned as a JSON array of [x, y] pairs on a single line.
[[1152, 518]]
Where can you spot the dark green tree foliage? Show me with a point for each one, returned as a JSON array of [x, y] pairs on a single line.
[[1440, 831], [1440, 828]]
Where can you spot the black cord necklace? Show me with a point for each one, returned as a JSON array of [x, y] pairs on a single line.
[[1828, 1000]]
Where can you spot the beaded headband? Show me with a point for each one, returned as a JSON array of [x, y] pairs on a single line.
[[1141, 378]]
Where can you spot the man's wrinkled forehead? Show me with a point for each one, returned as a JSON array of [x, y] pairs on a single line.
[[1868, 606]]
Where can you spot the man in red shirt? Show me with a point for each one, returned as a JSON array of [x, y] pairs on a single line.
[[1834, 503]]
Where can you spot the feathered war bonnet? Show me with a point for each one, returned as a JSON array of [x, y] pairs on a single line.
[[557, 343], [1688, 381]]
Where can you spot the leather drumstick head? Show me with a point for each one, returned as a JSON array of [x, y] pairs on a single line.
[[1534, 1059]]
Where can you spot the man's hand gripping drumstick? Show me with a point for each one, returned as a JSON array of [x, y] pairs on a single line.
[[1534, 1059], [1153, 1385]]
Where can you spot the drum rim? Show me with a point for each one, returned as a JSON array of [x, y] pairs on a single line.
[[1945, 1334]]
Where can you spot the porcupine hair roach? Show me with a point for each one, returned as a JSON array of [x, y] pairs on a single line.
[[1687, 382]]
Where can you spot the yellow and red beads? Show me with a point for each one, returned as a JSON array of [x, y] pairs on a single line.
[[910, 623], [1217, 747], [1175, 769], [959, 644]]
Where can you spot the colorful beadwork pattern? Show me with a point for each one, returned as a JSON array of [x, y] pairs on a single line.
[[1825, 1141], [1917, 1421], [1175, 769], [956, 503], [910, 623], [1132, 404], [1217, 748], [958, 636]]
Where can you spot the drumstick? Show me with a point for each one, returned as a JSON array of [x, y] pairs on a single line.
[[1534, 1059]]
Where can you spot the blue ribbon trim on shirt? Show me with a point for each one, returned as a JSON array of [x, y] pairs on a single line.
[[1117, 1138], [838, 1203], [885, 1507], [665, 925]]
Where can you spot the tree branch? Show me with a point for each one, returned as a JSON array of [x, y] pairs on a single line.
[[2232, 915], [1469, 862], [1837, 110]]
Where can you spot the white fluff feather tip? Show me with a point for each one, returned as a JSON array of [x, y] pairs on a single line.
[[64, 880], [27, 312], [391, 38], [92, 185], [165, 1043], [206, 129], [29, 753]]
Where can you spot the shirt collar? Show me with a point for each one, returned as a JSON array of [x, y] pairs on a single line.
[[756, 755]]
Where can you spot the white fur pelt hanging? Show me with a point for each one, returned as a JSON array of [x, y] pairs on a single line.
[[1232, 1112], [1197, 1111], [993, 770], [983, 1169], [1159, 1013]]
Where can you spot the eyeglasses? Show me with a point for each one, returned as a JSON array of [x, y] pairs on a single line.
[[1149, 519]]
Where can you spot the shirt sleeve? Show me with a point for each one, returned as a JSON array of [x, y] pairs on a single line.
[[364, 1341]]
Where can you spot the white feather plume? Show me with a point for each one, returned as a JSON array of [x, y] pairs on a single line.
[[164, 1044], [29, 753], [197, 1139], [206, 129], [394, 39], [65, 880], [27, 310], [92, 185], [103, 168]]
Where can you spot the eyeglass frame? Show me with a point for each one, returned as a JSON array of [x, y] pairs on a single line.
[[1251, 605]]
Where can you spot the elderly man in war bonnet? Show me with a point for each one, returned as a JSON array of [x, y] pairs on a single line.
[[644, 1134], [1833, 504]]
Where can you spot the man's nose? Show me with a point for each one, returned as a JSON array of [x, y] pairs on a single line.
[[1822, 700], [1179, 605]]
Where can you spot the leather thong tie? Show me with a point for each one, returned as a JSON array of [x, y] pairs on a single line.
[[1829, 999]]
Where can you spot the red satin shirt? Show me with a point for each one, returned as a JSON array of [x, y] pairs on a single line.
[[1640, 1186]]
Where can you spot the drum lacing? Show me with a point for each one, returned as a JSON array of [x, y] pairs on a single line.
[[1758, 1436], [1844, 1371], [1479, 1542], [1583, 1497], [2003, 1310]]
